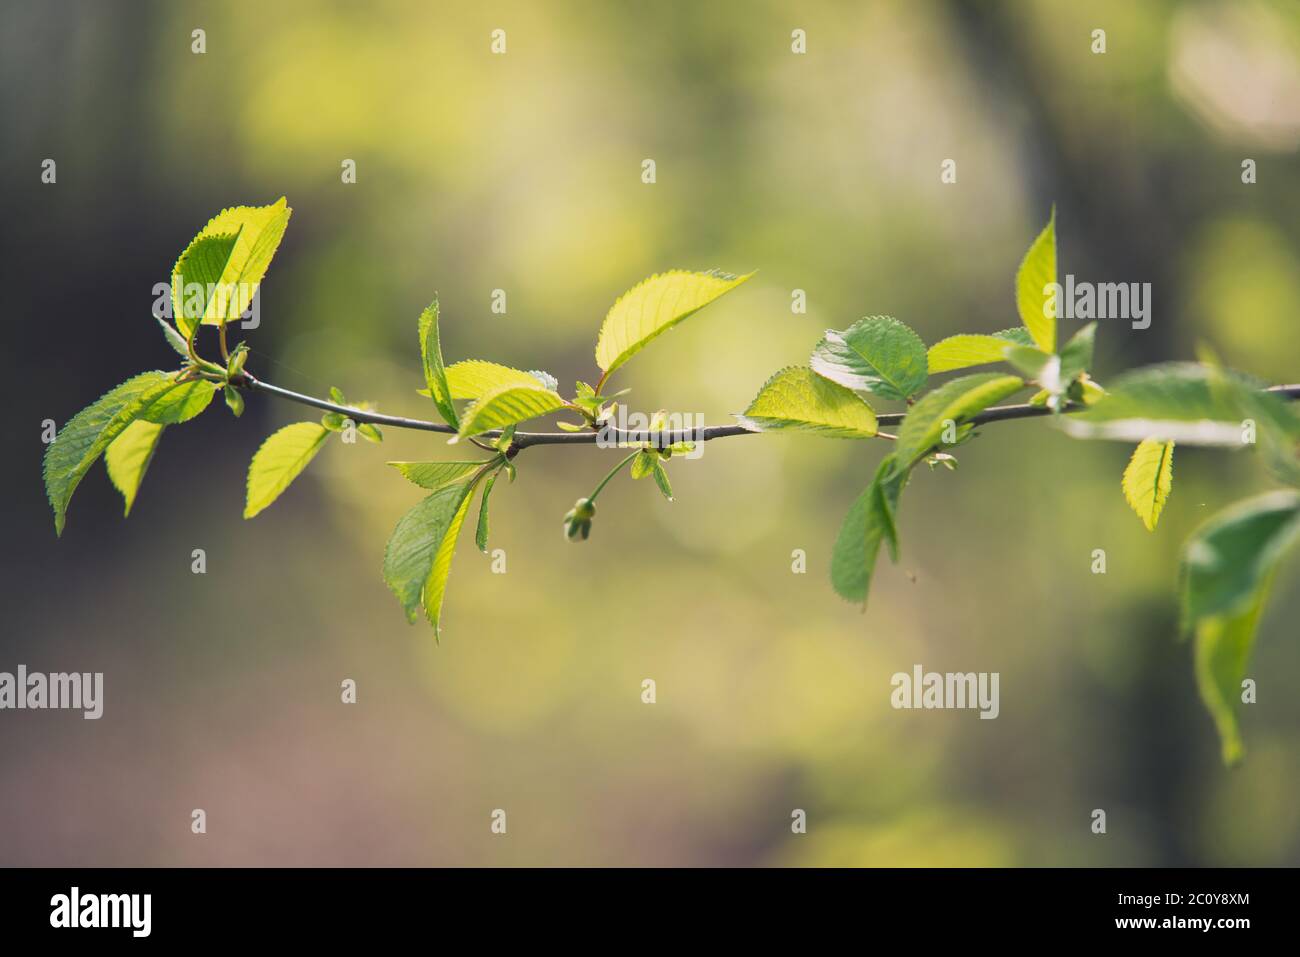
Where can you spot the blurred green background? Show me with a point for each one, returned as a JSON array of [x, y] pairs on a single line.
[[522, 172]]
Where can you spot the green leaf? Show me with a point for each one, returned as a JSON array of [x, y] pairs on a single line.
[[471, 378], [653, 307], [280, 460], [1221, 652], [435, 373], [230, 274], [180, 403], [1227, 568], [174, 339], [1188, 403], [643, 464], [196, 280], [959, 352], [1148, 478], [956, 400], [798, 399], [370, 431], [661, 479], [1076, 357], [128, 456], [417, 560], [481, 533], [234, 401], [1226, 559], [506, 405], [870, 521], [436, 475], [1036, 363], [878, 354], [85, 436], [1037, 272]]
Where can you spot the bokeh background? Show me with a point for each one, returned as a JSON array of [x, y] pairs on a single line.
[[522, 172]]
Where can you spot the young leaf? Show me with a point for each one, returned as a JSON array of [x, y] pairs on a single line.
[[435, 373], [280, 460], [436, 475], [174, 339], [229, 289], [128, 456], [870, 520], [506, 405], [1076, 357], [370, 432], [180, 403], [417, 560], [643, 464], [1221, 652], [953, 401], [196, 280], [1037, 307], [234, 401], [1148, 478], [661, 479], [798, 399], [878, 354], [481, 533], [654, 306], [959, 352], [1228, 565], [85, 436], [470, 378]]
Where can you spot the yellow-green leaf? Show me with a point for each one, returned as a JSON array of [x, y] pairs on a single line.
[[435, 372], [436, 475], [953, 402], [653, 307], [87, 434], [798, 399], [418, 558], [280, 460], [960, 352], [1035, 301], [471, 378], [507, 404], [128, 457], [1148, 478], [232, 267]]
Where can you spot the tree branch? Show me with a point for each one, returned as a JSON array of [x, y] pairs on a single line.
[[523, 440]]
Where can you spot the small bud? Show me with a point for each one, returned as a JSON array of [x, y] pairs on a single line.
[[577, 521]]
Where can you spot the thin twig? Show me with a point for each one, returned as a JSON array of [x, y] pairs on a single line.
[[616, 436]]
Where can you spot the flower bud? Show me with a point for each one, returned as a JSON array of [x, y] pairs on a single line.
[[577, 521]]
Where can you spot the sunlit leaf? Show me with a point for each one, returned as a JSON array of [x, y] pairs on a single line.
[[954, 402], [878, 354], [508, 404], [798, 399], [654, 306], [128, 456], [1037, 273], [960, 352], [280, 460], [1148, 478], [229, 257]]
